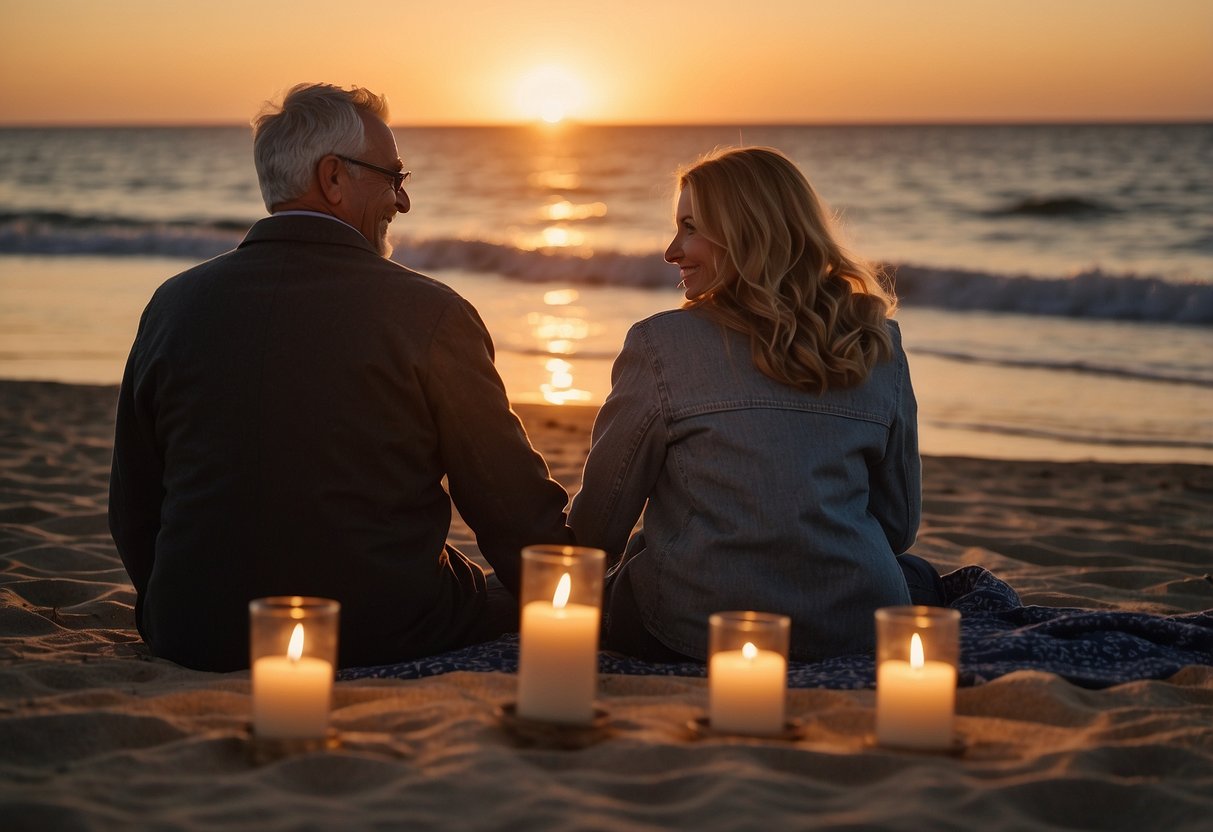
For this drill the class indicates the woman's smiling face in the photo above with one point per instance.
(695, 255)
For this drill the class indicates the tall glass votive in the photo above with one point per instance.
(917, 654)
(748, 672)
(558, 639)
(292, 653)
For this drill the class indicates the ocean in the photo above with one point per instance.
(1056, 280)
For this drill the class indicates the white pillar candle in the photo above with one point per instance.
(291, 693)
(747, 690)
(558, 659)
(915, 701)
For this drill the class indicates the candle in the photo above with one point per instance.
(558, 659)
(746, 691)
(291, 693)
(915, 700)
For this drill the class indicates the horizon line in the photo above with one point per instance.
(570, 122)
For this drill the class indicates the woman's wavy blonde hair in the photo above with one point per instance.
(815, 314)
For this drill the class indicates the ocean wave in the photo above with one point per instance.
(535, 352)
(1075, 207)
(1093, 293)
(1075, 437)
(548, 265)
(1085, 368)
(50, 232)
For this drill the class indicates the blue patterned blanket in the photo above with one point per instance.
(998, 634)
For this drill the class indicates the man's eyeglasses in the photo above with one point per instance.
(398, 177)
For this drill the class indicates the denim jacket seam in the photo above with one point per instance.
(664, 407)
(661, 554)
(643, 426)
(654, 359)
(688, 411)
(913, 502)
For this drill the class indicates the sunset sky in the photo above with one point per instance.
(631, 61)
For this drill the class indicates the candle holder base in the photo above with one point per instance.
(262, 750)
(554, 734)
(701, 728)
(956, 748)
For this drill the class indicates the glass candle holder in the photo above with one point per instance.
(558, 640)
(748, 672)
(917, 654)
(292, 653)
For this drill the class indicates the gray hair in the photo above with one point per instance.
(313, 121)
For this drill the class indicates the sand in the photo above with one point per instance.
(94, 734)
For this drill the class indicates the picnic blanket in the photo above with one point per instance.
(998, 635)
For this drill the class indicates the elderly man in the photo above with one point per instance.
(289, 411)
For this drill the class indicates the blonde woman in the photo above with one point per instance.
(767, 430)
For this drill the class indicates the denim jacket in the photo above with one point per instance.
(756, 495)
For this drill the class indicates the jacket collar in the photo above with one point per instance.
(306, 229)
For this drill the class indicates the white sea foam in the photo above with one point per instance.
(1093, 294)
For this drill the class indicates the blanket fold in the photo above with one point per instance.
(998, 635)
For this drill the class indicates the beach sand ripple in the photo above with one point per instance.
(95, 734)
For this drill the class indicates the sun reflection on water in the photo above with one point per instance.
(561, 297)
(549, 328)
(560, 335)
(557, 236)
(555, 180)
(565, 210)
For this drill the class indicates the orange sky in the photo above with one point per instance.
(463, 61)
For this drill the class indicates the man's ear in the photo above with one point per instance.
(329, 173)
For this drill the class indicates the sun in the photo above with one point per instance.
(550, 93)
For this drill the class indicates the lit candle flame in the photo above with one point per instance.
(749, 651)
(917, 660)
(294, 650)
(561, 598)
